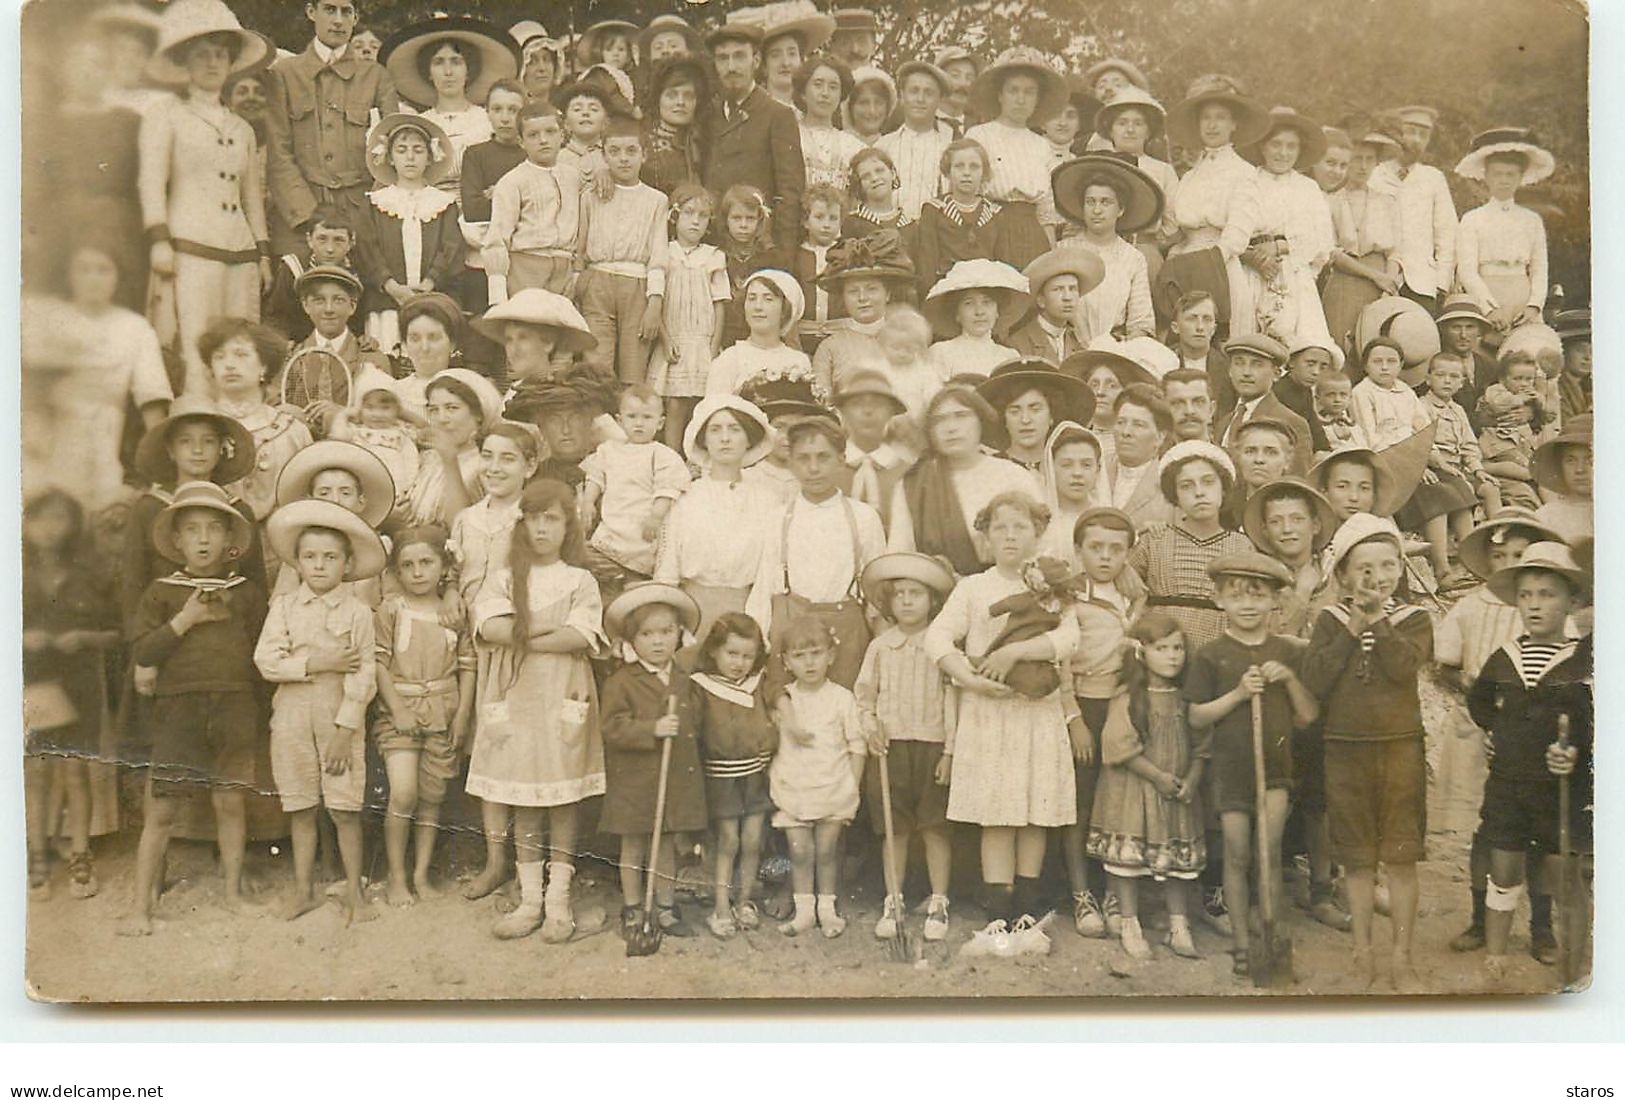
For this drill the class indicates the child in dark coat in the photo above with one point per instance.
(644, 704)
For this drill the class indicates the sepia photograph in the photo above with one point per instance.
(722, 500)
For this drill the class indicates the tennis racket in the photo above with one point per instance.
(314, 375)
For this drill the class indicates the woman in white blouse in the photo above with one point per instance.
(1365, 228)
(1293, 238)
(821, 86)
(1019, 91)
(714, 536)
(967, 305)
(1127, 125)
(1215, 205)
(447, 66)
(1110, 198)
(1501, 246)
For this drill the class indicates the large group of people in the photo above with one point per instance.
(703, 416)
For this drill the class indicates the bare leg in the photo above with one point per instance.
(1362, 883)
(634, 850)
(1436, 531)
(899, 855)
(1238, 850)
(402, 768)
(665, 872)
(494, 820)
(1031, 841)
(231, 821)
(1127, 889)
(1073, 838)
(727, 851)
(1404, 891)
(827, 838)
(750, 854)
(347, 824)
(159, 819)
(803, 859)
(561, 841)
(999, 855)
(528, 823)
(76, 783)
(939, 859)
(302, 825)
(424, 834)
(36, 793)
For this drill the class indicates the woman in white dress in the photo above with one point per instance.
(1293, 239)
(1501, 246)
(822, 85)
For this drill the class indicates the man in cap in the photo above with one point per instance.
(754, 138)
(1255, 361)
(1427, 216)
(322, 103)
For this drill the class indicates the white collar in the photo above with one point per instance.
(884, 456)
(334, 345)
(1504, 207)
(1054, 331)
(661, 674)
(422, 205)
(328, 54)
(832, 501)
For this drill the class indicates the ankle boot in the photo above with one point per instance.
(560, 924)
(524, 919)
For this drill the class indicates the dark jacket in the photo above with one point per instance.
(1270, 408)
(633, 700)
(1522, 721)
(1369, 696)
(760, 145)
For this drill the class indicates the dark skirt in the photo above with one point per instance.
(1449, 494)
(1203, 269)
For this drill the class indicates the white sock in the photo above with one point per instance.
(530, 883)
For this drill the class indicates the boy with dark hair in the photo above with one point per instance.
(328, 239)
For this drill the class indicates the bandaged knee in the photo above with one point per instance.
(1502, 899)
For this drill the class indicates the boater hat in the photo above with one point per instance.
(287, 523)
(909, 68)
(1252, 521)
(1387, 490)
(597, 30)
(535, 306)
(1538, 163)
(1079, 262)
(1547, 464)
(1549, 557)
(152, 459)
(1311, 137)
(1250, 563)
(1475, 547)
(1461, 307)
(1116, 64)
(495, 56)
(1069, 398)
(904, 565)
(694, 435)
(1138, 193)
(294, 482)
(1156, 117)
(1020, 60)
(184, 22)
(643, 594)
(382, 136)
(200, 494)
(1007, 286)
(800, 18)
(1252, 120)
(1326, 344)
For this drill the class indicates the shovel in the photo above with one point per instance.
(1269, 957)
(1572, 943)
(645, 938)
(900, 947)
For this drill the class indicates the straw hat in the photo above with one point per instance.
(908, 68)
(904, 565)
(1138, 193)
(1156, 116)
(526, 31)
(1326, 344)
(798, 17)
(1547, 464)
(1536, 338)
(1461, 307)
(865, 382)
(200, 494)
(694, 434)
(1250, 563)
(786, 284)
(1416, 114)
(1390, 492)
(589, 37)
(1549, 557)
(1474, 550)
(490, 401)
(1311, 136)
(535, 306)
(1069, 398)
(1252, 520)
(1191, 449)
(377, 486)
(1252, 121)
(856, 19)
(382, 136)
(1116, 64)
(1082, 364)
(184, 22)
(643, 594)
(1407, 323)
(1019, 60)
(1380, 140)
(496, 56)
(1538, 163)
(669, 24)
(1358, 528)
(949, 54)
(287, 523)
(738, 26)
(1007, 286)
(152, 459)
(1082, 263)
(870, 74)
(1148, 351)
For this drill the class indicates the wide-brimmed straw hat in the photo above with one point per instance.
(287, 523)
(377, 486)
(694, 435)
(1461, 307)
(904, 565)
(1081, 263)
(1538, 162)
(496, 54)
(864, 382)
(1252, 120)
(1069, 398)
(597, 30)
(1052, 89)
(1252, 520)
(1547, 464)
(1250, 563)
(152, 459)
(1407, 323)
(878, 255)
(1358, 528)
(1474, 549)
(184, 22)
(1129, 69)
(1548, 557)
(1156, 116)
(200, 494)
(1311, 137)
(798, 17)
(1138, 193)
(1007, 286)
(536, 306)
(643, 594)
(489, 400)
(1082, 364)
(381, 136)
(1390, 494)
(668, 24)
(785, 283)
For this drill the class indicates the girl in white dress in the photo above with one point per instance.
(697, 294)
(1012, 770)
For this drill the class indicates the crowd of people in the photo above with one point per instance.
(704, 416)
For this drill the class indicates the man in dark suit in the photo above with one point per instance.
(754, 138)
(1462, 326)
(1255, 361)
